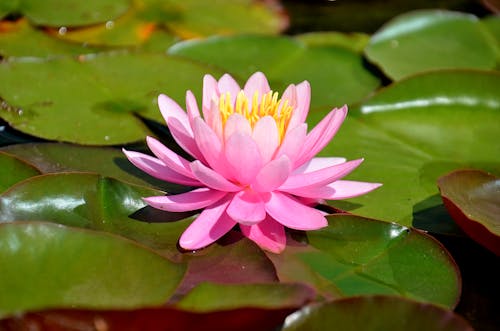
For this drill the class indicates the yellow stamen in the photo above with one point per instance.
(269, 105)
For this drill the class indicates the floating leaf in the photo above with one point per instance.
(106, 161)
(337, 75)
(50, 265)
(69, 12)
(375, 313)
(431, 39)
(415, 131)
(17, 39)
(14, 170)
(473, 199)
(103, 93)
(355, 42)
(91, 201)
(207, 296)
(359, 256)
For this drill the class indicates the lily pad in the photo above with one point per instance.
(415, 131)
(50, 265)
(432, 39)
(375, 313)
(355, 41)
(473, 199)
(14, 170)
(70, 12)
(18, 38)
(337, 75)
(93, 99)
(359, 256)
(183, 19)
(94, 202)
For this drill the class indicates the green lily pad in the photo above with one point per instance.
(359, 256)
(337, 75)
(415, 131)
(50, 265)
(182, 19)
(106, 161)
(14, 170)
(355, 41)
(207, 297)
(17, 39)
(103, 92)
(94, 202)
(70, 12)
(431, 39)
(375, 313)
(473, 199)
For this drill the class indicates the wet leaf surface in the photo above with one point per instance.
(14, 170)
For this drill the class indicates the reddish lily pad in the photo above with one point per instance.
(50, 265)
(374, 314)
(431, 39)
(14, 170)
(358, 256)
(473, 199)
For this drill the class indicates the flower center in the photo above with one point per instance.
(269, 105)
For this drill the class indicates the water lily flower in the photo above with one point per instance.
(254, 162)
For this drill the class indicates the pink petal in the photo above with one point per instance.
(212, 224)
(210, 92)
(256, 83)
(184, 139)
(170, 159)
(215, 120)
(236, 123)
(292, 142)
(158, 169)
(321, 135)
(268, 234)
(211, 178)
(291, 213)
(170, 109)
(340, 189)
(196, 199)
(272, 175)
(191, 106)
(246, 208)
(210, 145)
(243, 157)
(303, 101)
(318, 163)
(265, 134)
(228, 84)
(320, 177)
(290, 95)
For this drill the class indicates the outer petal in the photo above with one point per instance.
(321, 135)
(172, 160)
(256, 83)
(272, 175)
(247, 208)
(236, 123)
(341, 189)
(196, 199)
(212, 224)
(228, 84)
(268, 234)
(184, 139)
(265, 134)
(292, 142)
(210, 91)
(291, 213)
(320, 177)
(157, 169)
(170, 109)
(211, 178)
(192, 107)
(243, 156)
(318, 163)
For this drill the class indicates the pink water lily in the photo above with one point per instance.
(254, 162)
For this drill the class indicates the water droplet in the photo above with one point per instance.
(110, 25)
(62, 30)
(20, 112)
(106, 138)
(394, 43)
